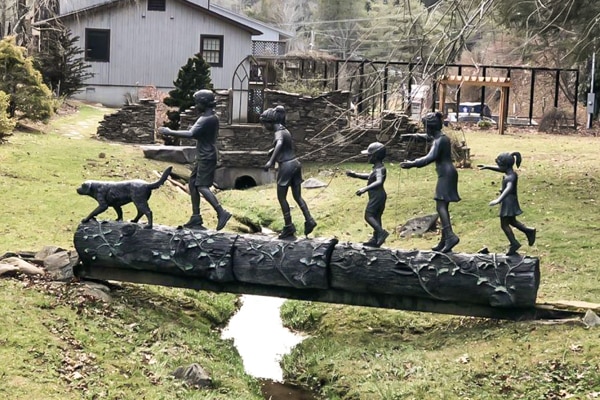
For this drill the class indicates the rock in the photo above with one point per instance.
(96, 293)
(7, 269)
(418, 226)
(591, 319)
(313, 183)
(60, 265)
(194, 375)
(47, 251)
(23, 266)
(173, 154)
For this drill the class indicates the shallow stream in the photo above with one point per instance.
(262, 340)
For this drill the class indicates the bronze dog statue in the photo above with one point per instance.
(117, 194)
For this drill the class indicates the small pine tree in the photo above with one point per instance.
(60, 63)
(193, 76)
(29, 96)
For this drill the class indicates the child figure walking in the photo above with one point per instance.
(377, 195)
(289, 174)
(509, 200)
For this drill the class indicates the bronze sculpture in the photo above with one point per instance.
(377, 195)
(446, 190)
(117, 194)
(509, 200)
(289, 174)
(205, 132)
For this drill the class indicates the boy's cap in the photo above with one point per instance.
(373, 148)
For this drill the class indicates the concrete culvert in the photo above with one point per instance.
(244, 182)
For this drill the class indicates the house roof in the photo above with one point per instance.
(112, 3)
(250, 21)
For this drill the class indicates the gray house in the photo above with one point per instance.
(136, 43)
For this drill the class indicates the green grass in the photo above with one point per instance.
(127, 349)
(58, 344)
(359, 353)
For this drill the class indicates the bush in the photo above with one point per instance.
(7, 124)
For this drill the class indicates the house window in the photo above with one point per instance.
(157, 5)
(97, 45)
(211, 48)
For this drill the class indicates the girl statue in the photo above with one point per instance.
(509, 200)
(446, 190)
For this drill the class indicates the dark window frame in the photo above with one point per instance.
(89, 31)
(157, 5)
(221, 40)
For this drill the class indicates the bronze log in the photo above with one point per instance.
(310, 269)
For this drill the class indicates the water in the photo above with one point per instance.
(260, 337)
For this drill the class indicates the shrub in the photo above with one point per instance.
(7, 124)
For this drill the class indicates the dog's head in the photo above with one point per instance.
(85, 188)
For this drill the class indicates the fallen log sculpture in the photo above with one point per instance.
(490, 285)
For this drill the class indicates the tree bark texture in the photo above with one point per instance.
(344, 269)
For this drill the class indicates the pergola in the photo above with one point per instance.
(502, 82)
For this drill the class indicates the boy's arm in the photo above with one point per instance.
(379, 174)
(358, 175)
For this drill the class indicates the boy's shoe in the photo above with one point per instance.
(195, 222)
(223, 218)
(309, 226)
(288, 232)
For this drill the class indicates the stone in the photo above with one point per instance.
(591, 319)
(23, 266)
(59, 266)
(194, 375)
(173, 154)
(313, 183)
(7, 269)
(418, 225)
(47, 251)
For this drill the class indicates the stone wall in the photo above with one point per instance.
(131, 124)
(320, 127)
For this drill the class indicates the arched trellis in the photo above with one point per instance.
(247, 96)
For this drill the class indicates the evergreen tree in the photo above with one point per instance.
(60, 63)
(193, 76)
(29, 96)
(6, 124)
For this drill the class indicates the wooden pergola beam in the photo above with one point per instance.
(494, 81)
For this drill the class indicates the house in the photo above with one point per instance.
(131, 44)
(271, 42)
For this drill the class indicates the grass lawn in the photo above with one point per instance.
(128, 348)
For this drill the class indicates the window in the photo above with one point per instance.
(211, 48)
(97, 45)
(157, 5)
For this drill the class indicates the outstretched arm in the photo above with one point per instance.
(163, 130)
(358, 175)
(490, 167)
(425, 160)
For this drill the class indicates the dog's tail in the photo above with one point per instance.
(162, 179)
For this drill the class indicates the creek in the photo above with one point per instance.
(261, 340)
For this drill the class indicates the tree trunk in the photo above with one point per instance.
(306, 268)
